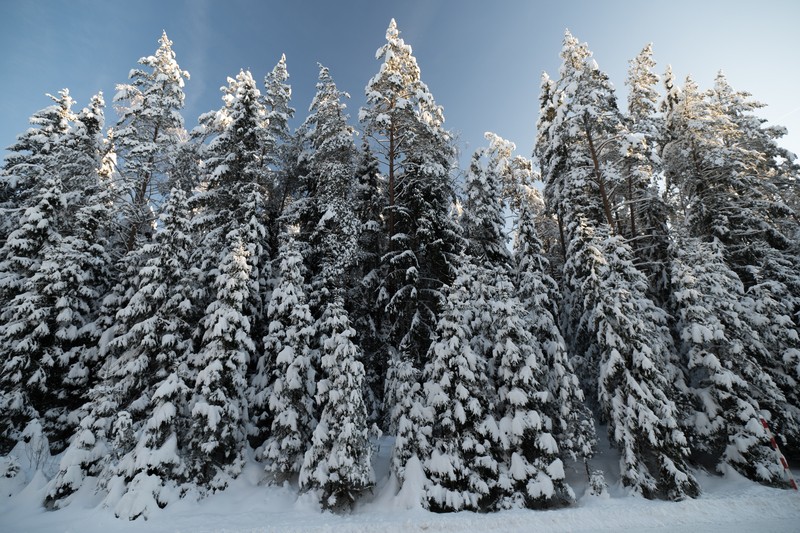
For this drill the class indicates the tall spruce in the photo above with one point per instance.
(338, 463)
(219, 410)
(573, 423)
(459, 461)
(627, 363)
(617, 334)
(285, 382)
(53, 269)
(146, 137)
(716, 324)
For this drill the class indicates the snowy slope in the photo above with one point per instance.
(728, 504)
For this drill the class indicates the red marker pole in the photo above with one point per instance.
(781, 458)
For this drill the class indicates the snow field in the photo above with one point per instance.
(728, 504)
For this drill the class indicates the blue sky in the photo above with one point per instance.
(481, 59)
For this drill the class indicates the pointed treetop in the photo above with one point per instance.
(392, 32)
(93, 115)
(278, 75)
(324, 73)
(573, 53)
(165, 55)
(642, 97)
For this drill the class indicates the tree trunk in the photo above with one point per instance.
(598, 176)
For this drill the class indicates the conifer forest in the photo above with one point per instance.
(176, 305)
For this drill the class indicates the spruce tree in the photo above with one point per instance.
(406, 126)
(287, 372)
(143, 374)
(460, 463)
(31, 174)
(629, 350)
(219, 409)
(231, 204)
(52, 272)
(337, 464)
(722, 350)
(231, 196)
(160, 324)
(146, 137)
(573, 424)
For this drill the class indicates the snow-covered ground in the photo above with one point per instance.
(729, 504)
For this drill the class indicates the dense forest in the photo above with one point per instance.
(175, 304)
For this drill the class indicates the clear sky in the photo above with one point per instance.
(482, 60)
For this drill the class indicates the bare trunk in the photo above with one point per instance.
(598, 176)
(139, 198)
(561, 236)
(630, 207)
(392, 155)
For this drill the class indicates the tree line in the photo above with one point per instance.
(175, 304)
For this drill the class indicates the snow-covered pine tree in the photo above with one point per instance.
(406, 126)
(617, 335)
(579, 150)
(231, 202)
(234, 166)
(146, 137)
(323, 211)
(364, 279)
(281, 147)
(160, 323)
(646, 227)
(459, 459)
(572, 188)
(410, 419)
(531, 473)
(629, 351)
(142, 373)
(286, 376)
(721, 350)
(573, 423)
(33, 198)
(75, 271)
(763, 251)
(338, 463)
(219, 410)
(52, 270)
(90, 451)
(724, 188)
